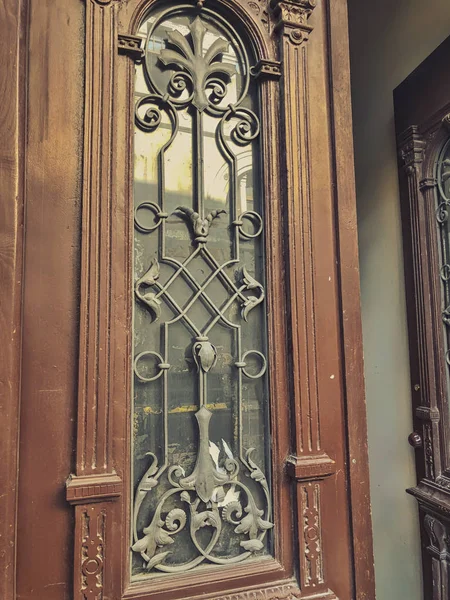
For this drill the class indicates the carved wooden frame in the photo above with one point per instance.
(324, 450)
(419, 149)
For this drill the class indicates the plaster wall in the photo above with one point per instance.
(388, 40)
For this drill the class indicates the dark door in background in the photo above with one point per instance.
(422, 112)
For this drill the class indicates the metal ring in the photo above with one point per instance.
(264, 363)
(255, 219)
(155, 209)
(162, 366)
(445, 272)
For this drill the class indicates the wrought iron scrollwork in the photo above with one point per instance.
(442, 217)
(212, 496)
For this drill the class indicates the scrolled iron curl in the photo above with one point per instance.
(152, 118)
(442, 212)
(232, 467)
(175, 520)
(218, 90)
(178, 472)
(179, 83)
(247, 129)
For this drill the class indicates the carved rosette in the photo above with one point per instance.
(92, 552)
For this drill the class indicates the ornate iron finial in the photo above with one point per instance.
(187, 56)
(199, 224)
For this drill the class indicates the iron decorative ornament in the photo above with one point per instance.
(214, 507)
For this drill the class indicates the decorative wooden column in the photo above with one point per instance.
(95, 484)
(423, 372)
(310, 464)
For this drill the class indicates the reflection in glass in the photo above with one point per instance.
(201, 461)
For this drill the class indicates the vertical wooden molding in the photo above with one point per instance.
(412, 153)
(95, 483)
(12, 127)
(349, 296)
(293, 23)
(310, 463)
(93, 454)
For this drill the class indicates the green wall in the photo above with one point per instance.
(388, 40)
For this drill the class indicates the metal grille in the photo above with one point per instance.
(442, 216)
(200, 435)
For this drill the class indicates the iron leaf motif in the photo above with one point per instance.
(150, 299)
(151, 276)
(253, 522)
(252, 301)
(199, 64)
(256, 472)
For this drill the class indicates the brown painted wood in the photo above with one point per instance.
(12, 123)
(50, 299)
(351, 328)
(422, 105)
(76, 405)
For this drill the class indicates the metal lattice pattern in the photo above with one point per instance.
(216, 508)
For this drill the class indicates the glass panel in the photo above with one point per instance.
(201, 461)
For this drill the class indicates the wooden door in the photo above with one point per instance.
(422, 105)
(147, 452)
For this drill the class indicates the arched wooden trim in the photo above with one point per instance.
(254, 21)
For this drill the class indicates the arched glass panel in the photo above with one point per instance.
(201, 460)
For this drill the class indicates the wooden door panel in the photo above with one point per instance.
(50, 299)
(76, 407)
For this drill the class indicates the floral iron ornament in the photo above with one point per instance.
(205, 486)
(202, 68)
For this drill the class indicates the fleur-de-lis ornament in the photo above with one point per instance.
(199, 64)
